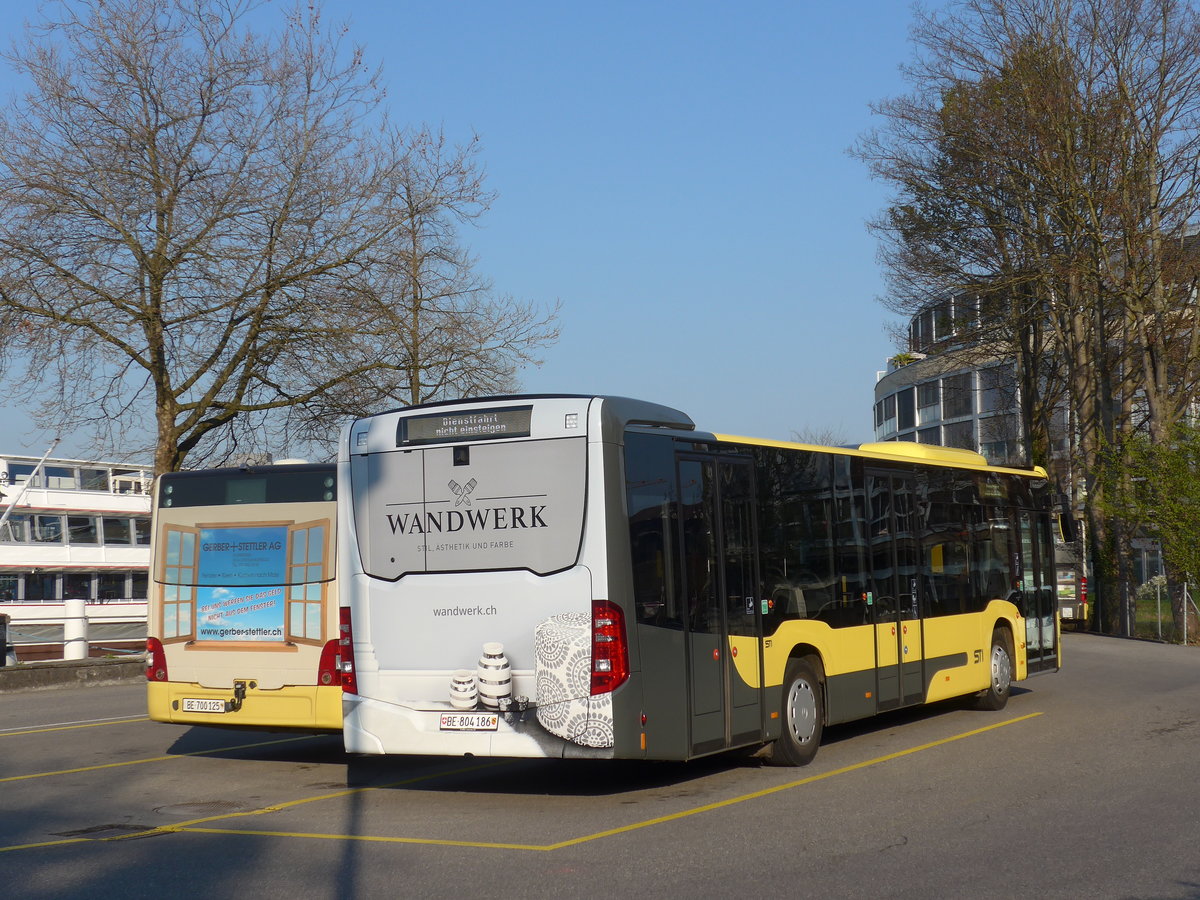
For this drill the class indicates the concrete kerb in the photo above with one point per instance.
(71, 673)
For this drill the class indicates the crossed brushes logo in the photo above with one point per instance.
(462, 493)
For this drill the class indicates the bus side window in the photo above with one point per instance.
(650, 495)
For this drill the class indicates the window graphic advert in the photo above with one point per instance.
(242, 572)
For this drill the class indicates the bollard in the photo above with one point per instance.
(8, 656)
(75, 643)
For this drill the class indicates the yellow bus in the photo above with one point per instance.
(589, 576)
(243, 612)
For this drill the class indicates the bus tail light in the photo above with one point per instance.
(344, 659)
(328, 671)
(610, 652)
(156, 660)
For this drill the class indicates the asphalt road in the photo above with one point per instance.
(1086, 785)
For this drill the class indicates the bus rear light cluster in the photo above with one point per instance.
(344, 658)
(328, 669)
(610, 651)
(156, 660)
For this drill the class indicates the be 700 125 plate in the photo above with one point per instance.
(196, 704)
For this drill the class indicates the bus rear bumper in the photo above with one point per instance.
(303, 707)
(370, 726)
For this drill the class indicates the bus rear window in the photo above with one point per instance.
(232, 487)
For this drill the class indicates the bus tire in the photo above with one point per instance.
(803, 714)
(1000, 673)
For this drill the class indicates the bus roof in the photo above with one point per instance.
(622, 412)
(905, 451)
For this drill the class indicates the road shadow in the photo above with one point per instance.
(276, 746)
(505, 776)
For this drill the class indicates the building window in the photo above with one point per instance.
(958, 398)
(959, 434)
(128, 481)
(998, 439)
(41, 588)
(71, 478)
(19, 473)
(966, 313)
(59, 478)
(997, 389)
(141, 532)
(906, 413)
(10, 587)
(922, 331)
(943, 322)
(77, 586)
(110, 586)
(47, 529)
(116, 531)
(93, 480)
(15, 530)
(82, 530)
(930, 435)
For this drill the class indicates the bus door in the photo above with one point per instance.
(720, 585)
(1038, 592)
(895, 598)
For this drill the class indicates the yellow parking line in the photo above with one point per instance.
(151, 759)
(366, 838)
(60, 843)
(194, 825)
(72, 727)
(765, 792)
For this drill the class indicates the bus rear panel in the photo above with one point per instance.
(244, 620)
(472, 553)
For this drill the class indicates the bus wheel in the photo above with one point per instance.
(1000, 675)
(803, 715)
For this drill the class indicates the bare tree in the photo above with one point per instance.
(192, 222)
(437, 322)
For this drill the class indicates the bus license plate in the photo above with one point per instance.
(469, 722)
(193, 704)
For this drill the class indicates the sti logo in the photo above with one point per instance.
(462, 493)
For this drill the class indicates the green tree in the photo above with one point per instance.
(1157, 485)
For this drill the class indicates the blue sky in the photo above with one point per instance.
(675, 173)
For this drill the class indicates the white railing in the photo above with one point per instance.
(39, 625)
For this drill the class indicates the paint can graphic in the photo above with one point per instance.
(494, 676)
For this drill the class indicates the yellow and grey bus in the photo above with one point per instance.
(243, 613)
(589, 576)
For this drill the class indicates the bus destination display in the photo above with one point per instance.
(478, 425)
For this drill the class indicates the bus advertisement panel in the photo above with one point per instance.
(244, 615)
(233, 565)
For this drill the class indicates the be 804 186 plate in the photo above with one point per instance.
(471, 721)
